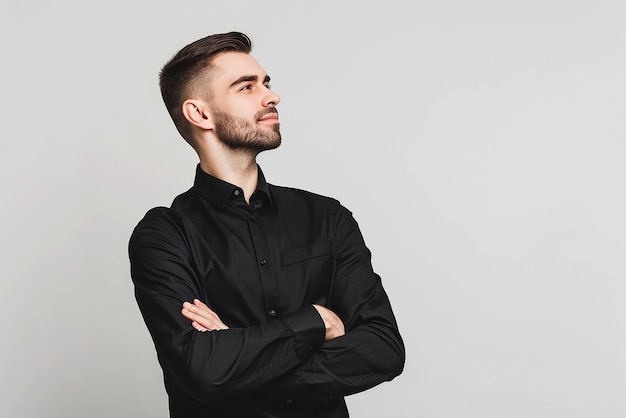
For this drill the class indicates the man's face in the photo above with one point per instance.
(243, 106)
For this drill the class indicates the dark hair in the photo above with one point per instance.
(177, 77)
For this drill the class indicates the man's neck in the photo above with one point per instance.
(237, 168)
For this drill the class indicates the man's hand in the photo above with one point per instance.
(202, 317)
(334, 325)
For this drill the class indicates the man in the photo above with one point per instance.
(261, 300)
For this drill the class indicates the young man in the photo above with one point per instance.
(261, 300)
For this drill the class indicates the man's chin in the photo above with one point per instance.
(270, 146)
(260, 143)
(258, 146)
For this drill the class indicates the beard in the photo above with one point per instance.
(241, 134)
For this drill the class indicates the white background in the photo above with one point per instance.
(480, 144)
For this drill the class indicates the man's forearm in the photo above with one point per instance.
(214, 364)
(365, 356)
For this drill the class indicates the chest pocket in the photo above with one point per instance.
(307, 273)
(297, 255)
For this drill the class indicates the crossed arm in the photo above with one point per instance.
(292, 357)
(204, 318)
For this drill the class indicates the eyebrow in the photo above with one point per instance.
(246, 78)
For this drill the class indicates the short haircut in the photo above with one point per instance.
(182, 73)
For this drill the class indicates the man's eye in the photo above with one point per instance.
(269, 86)
(246, 87)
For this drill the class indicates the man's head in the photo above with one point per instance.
(213, 84)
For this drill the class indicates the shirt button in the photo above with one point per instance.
(236, 192)
(272, 312)
(263, 261)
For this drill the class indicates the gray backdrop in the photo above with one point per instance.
(480, 144)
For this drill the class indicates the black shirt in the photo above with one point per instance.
(261, 267)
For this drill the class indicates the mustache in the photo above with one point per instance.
(262, 113)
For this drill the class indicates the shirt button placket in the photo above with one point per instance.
(259, 241)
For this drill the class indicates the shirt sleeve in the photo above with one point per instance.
(212, 364)
(371, 351)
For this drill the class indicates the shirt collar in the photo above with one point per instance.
(219, 192)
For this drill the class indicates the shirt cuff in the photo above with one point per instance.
(307, 327)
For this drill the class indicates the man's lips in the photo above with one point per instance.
(270, 118)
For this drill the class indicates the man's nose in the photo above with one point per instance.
(271, 99)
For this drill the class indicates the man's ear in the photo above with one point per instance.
(197, 113)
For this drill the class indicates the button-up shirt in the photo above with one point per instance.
(261, 266)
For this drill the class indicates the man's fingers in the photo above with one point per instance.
(201, 304)
(198, 326)
(200, 313)
(334, 325)
(204, 310)
(204, 324)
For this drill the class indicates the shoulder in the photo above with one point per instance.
(304, 201)
(282, 193)
(168, 217)
(159, 215)
(157, 222)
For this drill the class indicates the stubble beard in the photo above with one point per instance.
(241, 134)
